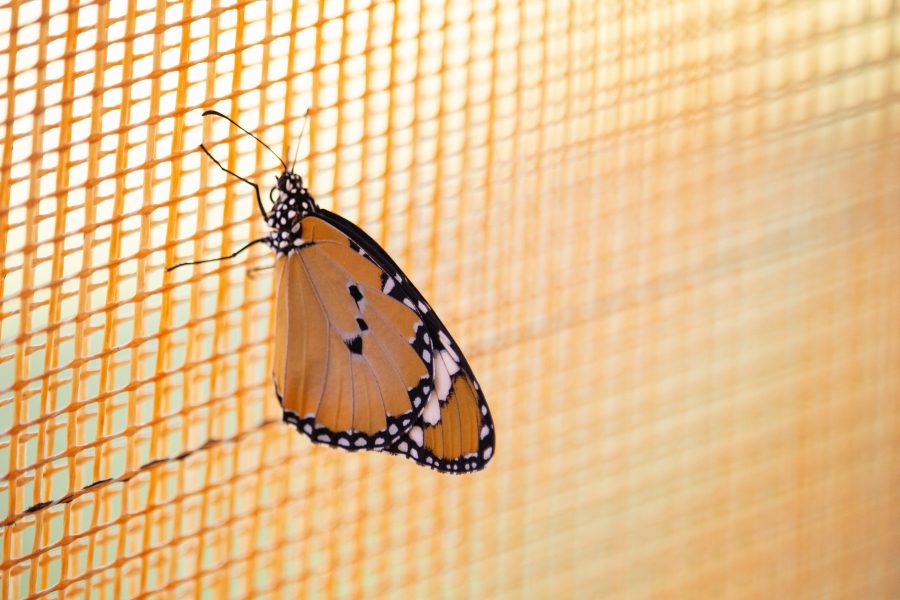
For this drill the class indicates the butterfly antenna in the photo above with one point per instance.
(266, 146)
(302, 131)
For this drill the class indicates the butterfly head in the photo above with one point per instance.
(291, 200)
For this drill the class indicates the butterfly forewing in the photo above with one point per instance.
(352, 365)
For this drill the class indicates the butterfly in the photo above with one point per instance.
(361, 360)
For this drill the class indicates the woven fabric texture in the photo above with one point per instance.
(666, 234)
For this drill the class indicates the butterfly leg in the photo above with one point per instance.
(251, 273)
(255, 187)
(207, 260)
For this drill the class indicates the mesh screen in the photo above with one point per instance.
(666, 233)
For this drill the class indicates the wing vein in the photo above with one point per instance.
(459, 419)
(327, 331)
(287, 327)
(390, 360)
(352, 395)
(380, 392)
(305, 335)
(377, 291)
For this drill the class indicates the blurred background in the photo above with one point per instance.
(666, 233)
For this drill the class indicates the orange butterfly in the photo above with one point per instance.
(362, 362)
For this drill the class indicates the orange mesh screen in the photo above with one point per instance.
(667, 235)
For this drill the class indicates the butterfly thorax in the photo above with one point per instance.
(292, 203)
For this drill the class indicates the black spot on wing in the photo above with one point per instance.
(362, 324)
(354, 344)
(355, 293)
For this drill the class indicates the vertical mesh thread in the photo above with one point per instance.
(665, 233)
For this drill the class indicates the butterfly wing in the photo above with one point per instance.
(454, 432)
(352, 364)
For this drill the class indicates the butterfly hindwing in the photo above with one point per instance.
(352, 364)
(454, 432)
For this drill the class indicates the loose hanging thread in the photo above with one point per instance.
(129, 475)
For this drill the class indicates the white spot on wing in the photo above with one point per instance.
(417, 435)
(445, 341)
(488, 453)
(431, 414)
(388, 285)
(444, 368)
(484, 431)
